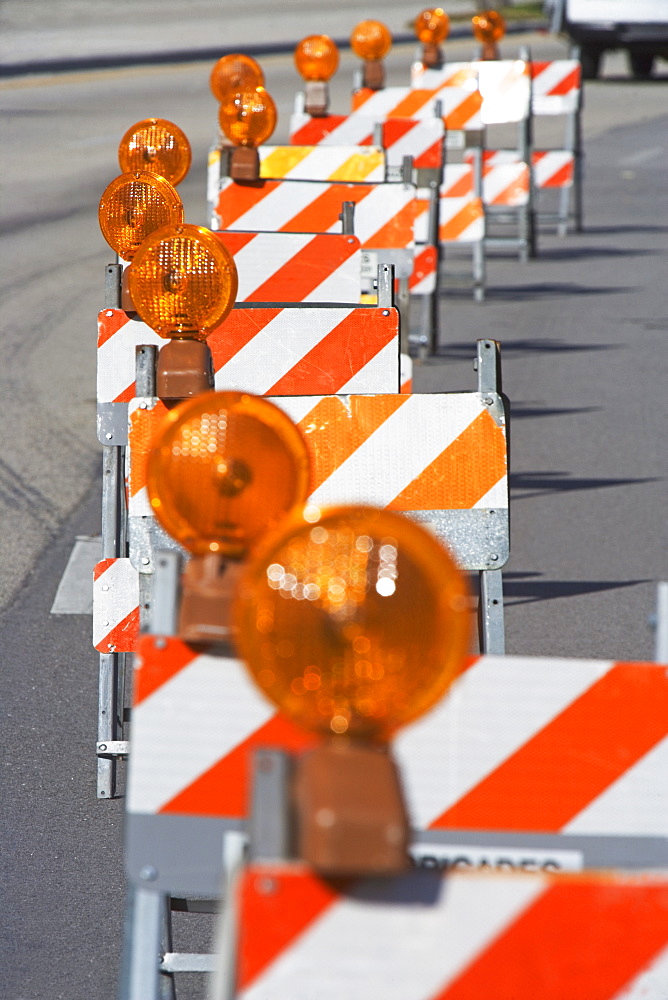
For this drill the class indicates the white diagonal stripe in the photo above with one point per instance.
(296, 407)
(497, 178)
(115, 596)
(378, 207)
(547, 166)
(651, 983)
(380, 374)
(277, 208)
(497, 497)
(263, 256)
(359, 948)
(185, 727)
(116, 359)
(463, 739)
(635, 804)
(277, 347)
(400, 449)
(353, 130)
(342, 285)
(139, 504)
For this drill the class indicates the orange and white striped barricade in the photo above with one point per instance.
(461, 218)
(505, 91)
(304, 162)
(384, 213)
(529, 766)
(460, 107)
(405, 373)
(424, 935)
(557, 91)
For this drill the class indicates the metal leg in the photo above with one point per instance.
(140, 975)
(490, 612)
(479, 275)
(662, 623)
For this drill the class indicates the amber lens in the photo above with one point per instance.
(182, 281)
(224, 468)
(248, 118)
(432, 25)
(371, 40)
(488, 27)
(157, 146)
(135, 205)
(234, 73)
(355, 622)
(317, 57)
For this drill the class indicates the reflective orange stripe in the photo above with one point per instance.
(528, 792)
(154, 667)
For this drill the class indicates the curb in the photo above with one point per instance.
(175, 56)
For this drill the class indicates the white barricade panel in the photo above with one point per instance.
(463, 937)
(505, 86)
(528, 763)
(384, 213)
(556, 87)
(279, 349)
(460, 107)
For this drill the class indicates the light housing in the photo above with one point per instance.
(225, 468)
(353, 620)
(248, 117)
(371, 40)
(133, 206)
(157, 146)
(317, 58)
(489, 27)
(183, 281)
(432, 26)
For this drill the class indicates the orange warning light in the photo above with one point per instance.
(234, 73)
(182, 281)
(353, 620)
(488, 27)
(317, 58)
(432, 26)
(371, 40)
(248, 117)
(135, 205)
(157, 146)
(225, 467)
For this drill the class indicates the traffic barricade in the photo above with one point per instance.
(505, 90)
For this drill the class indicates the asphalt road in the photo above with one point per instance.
(582, 331)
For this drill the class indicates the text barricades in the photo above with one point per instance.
(282, 350)
(463, 937)
(526, 758)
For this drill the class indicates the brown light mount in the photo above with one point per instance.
(184, 369)
(316, 98)
(489, 51)
(351, 818)
(432, 55)
(373, 74)
(244, 164)
(208, 588)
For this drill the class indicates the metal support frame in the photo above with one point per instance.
(661, 651)
(111, 675)
(490, 607)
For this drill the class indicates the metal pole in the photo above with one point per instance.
(661, 653)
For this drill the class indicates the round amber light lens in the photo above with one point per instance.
(135, 205)
(248, 118)
(183, 281)
(157, 146)
(224, 468)
(488, 27)
(432, 26)
(317, 58)
(371, 40)
(354, 620)
(234, 73)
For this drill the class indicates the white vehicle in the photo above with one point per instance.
(639, 26)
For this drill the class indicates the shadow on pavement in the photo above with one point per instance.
(537, 484)
(524, 588)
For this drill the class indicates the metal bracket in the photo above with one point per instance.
(270, 820)
(407, 170)
(347, 218)
(488, 366)
(385, 286)
(145, 362)
(113, 748)
(113, 277)
(112, 424)
(165, 609)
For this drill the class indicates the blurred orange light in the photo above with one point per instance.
(353, 620)
(371, 40)
(488, 27)
(234, 73)
(248, 118)
(157, 146)
(432, 26)
(135, 205)
(317, 58)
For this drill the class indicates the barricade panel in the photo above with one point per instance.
(311, 163)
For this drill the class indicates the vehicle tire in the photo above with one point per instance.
(591, 62)
(641, 64)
